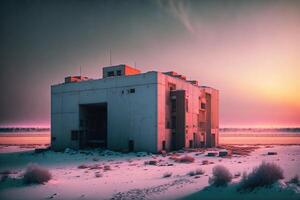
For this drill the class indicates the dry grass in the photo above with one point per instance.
(264, 175)
(221, 176)
(36, 174)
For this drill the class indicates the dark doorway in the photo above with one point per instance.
(93, 125)
(131, 145)
(213, 140)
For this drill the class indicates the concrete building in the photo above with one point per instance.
(128, 110)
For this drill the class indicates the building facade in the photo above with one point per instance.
(128, 110)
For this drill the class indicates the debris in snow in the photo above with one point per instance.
(167, 174)
(270, 153)
(83, 166)
(146, 193)
(106, 167)
(223, 153)
(150, 162)
(212, 154)
(52, 196)
(183, 159)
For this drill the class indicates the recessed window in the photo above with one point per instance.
(173, 119)
(202, 105)
(168, 124)
(173, 105)
(191, 143)
(119, 72)
(132, 90)
(110, 73)
(164, 145)
(74, 135)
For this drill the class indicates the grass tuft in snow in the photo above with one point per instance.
(198, 171)
(36, 174)
(221, 176)
(264, 175)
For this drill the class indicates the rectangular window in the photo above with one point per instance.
(132, 90)
(202, 105)
(173, 122)
(191, 143)
(119, 72)
(110, 73)
(164, 145)
(168, 124)
(74, 135)
(173, 105)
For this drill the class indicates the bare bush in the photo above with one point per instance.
(295, 180)
(167, 174)
(36, 174)
(264, 175)
(221, 176)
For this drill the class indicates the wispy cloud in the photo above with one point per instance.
(180, 10)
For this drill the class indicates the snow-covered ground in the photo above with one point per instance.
(128, 177)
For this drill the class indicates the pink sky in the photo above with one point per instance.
(250, 51)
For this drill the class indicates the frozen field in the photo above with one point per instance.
(101, 174)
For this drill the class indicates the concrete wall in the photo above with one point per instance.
(131, 116)
(192, 93)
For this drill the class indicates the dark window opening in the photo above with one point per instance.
(74, 135)
(119, 72)
(168, 124)
(173, 122)
(202, 105)
(132, 90)
(172, 86)
(164, 145)
(110, 73)
(131, 145)
(53, 139)
(191, 143)
(173, 105)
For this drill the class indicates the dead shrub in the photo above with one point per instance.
(36, 174)
(221, 176)
(262, 176)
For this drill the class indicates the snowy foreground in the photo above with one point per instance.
(99, 174)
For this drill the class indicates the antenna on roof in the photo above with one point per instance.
(110, 57)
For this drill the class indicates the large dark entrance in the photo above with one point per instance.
(93, 125)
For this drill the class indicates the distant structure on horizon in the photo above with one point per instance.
(127, 110)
